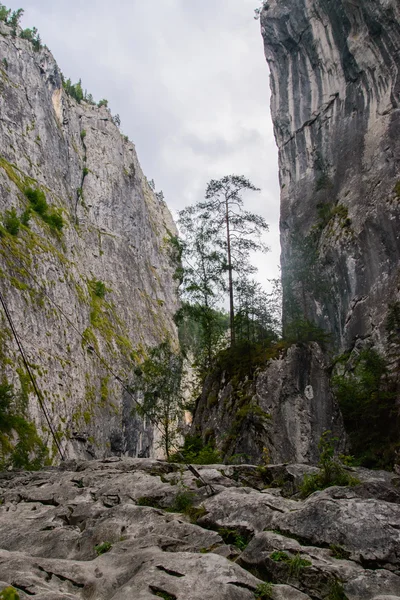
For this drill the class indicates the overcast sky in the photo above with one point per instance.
(190, 83)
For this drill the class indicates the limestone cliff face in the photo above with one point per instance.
(282, 408)
(109, 271)
(335, 85)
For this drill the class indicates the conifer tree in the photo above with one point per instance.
(237, 231)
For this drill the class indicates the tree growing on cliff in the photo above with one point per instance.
(202, 282)
(237, 231)
(11, 18)
(158, 382)
(219, 236)
(259, 9)
(254, 319)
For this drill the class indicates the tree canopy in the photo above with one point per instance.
(219, 235)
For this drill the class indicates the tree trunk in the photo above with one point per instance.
(231, 306)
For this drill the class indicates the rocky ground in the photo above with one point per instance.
(111, 530)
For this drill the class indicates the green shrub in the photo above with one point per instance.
(301, 331)
(26, 217)
(9, 593)
(51, 216)
(38, 200)
(231, 536)
(97, 288)
(74, 90)
(11, 221)
(263, 591)
(103, 102)
(339, 552)
(29, 452)
(103, 548)
(296, 564)
(184, 503)
(4, 13)
(331, 472)
(54, 219)
(195, 452)
(367, 397)
(336, 592)
(280, 556)
(83, 134)
(32, 36)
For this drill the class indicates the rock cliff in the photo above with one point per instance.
(89, 280)
(273, 408)
(335, 85)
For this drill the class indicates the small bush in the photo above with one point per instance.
(51, 216)
(368, 399)
(98, 288)
(38, 200)
(83, 134)
(103, 548)
(296, 564)
(74, 90)
(302, 331)
(26, 217)
(331, 472)
(195, 452)
(263, 591)
(231, 536)
(9, 593)
(29, 452)
(339, 552)
(33, 37)
(183, 501)
(54, 219)
(103, 102)
(279, 556)
(11, 221)
(336, 592)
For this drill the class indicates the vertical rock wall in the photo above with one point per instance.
(116, 232)
(335, 85)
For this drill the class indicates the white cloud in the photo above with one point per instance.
(190, 82)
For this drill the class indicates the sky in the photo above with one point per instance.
(190, 83)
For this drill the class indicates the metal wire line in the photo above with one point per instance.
(109, 369)
(32, 378)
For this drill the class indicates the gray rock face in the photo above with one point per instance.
(325, 518)
(336, 111)
(116, 231)
(293, 404)
(107, 529)
(321, 569)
